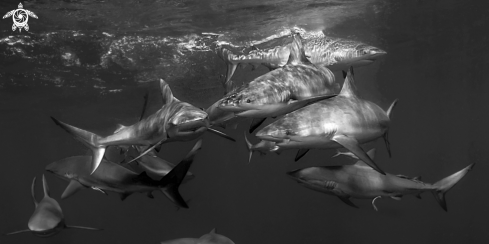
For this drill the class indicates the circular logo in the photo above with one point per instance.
(20, 17)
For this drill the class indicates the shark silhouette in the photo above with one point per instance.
(116, 178)
(47, 219)
(361, 181)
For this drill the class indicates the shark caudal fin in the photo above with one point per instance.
(89, 139)
(386, 134)
(227, 56)
(442, 186)
(170, 182)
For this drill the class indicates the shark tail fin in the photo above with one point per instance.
(82, 227)
(227, 56)
(170, 182)
(89, 139)
(249, 146)
(442, 186)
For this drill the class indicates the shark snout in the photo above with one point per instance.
(294, 173)
(376, 52)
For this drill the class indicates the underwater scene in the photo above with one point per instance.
(226, 121)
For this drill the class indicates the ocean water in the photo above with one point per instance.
(89, 63)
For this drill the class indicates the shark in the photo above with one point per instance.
(210, 238)
(283, 90)
(114, 177)
(331, 52)
(47, 219)
(174, 121)
(362, 182)
(343, 121)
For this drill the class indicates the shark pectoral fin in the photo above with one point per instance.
(32, 192)
(81, 227)
(291, 107)
(255, 123)
(373, 203)
(17, 232)
(72, 188)
(99, 190)
(147, 151)
(45, 186)
(352, 145)
(249, 146)
(123, 196)
(347, 201)
(301, 153)
(397, 197)
(221, 134)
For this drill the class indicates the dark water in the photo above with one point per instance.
(89, 63)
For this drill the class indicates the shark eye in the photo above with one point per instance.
(248, 100)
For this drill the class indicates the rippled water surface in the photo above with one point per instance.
(89, 63)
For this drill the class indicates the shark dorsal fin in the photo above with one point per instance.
(297, 54)
(166, 93)
(371, 154)
(348, 89)
(32, 192)
(45, 186)
(213, 231)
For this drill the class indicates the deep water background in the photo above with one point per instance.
(89, 63)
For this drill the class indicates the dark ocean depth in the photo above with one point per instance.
(89, 63)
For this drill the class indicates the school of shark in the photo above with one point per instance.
(309, 108)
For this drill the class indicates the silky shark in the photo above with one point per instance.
(210, 238)
(283, 90)
(47, 219)
(174, 121)
(113, 177)
(343, 121)
(333, 53)
(361, 181)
